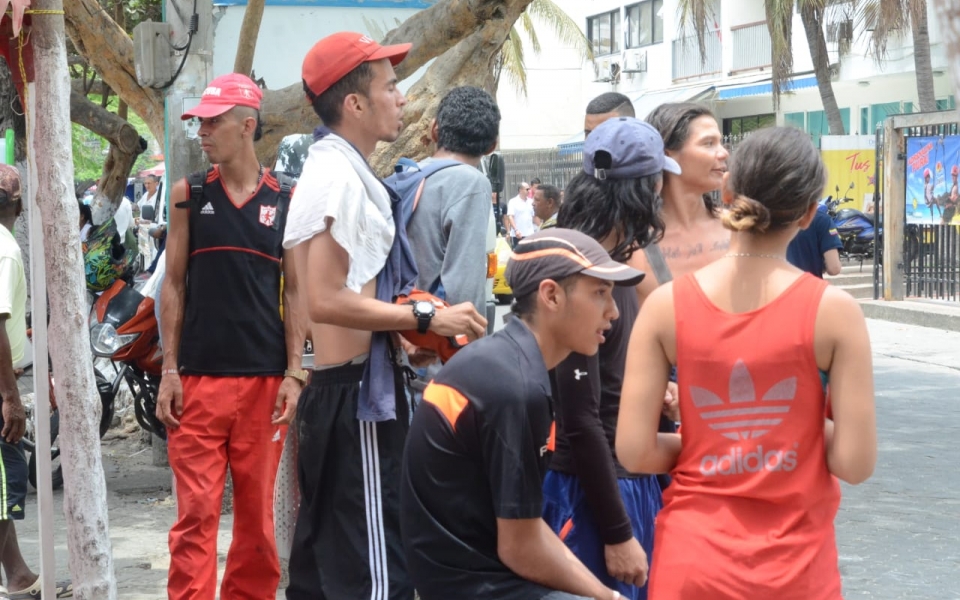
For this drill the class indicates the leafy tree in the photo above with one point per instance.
(699, 15)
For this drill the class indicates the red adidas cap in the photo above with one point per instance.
(336, 55)
(223, 93)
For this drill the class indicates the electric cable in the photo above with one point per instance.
(192, 29)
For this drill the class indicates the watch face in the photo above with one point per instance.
(424, 308)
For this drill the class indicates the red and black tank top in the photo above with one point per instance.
(232, 324)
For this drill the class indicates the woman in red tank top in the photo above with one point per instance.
(750, 512)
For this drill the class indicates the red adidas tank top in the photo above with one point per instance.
(751, 508)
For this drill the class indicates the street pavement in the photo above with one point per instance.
(898, 533)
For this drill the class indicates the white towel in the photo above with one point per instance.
(338, 183)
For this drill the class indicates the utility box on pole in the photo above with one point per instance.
(153, 53)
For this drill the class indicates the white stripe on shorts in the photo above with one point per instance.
(376, 540)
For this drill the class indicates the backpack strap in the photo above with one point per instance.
(425, 172)
(283, 201)
(658, 263)
(195, 181)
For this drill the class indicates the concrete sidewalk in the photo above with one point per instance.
(915, 311)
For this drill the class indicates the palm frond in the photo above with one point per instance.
(375, 29)
(780, 24)
(694, 14)
(511, 61)
(531, 32)
(565, 28)
(888, 19)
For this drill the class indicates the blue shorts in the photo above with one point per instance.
(564, 502)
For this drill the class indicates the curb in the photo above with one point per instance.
(923, 314)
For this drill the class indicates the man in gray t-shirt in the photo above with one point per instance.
(448, 229)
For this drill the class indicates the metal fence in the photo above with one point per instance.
(932, 261)
(554, 166)
(931, 251)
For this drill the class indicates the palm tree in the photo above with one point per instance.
(510, 62)
(698, 14)
(890, 18)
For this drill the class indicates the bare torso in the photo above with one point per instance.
(686, 249)
(334, 345)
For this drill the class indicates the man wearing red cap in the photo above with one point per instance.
(231, 365)
(353, 416)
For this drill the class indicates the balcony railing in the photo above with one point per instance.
(687, 62)
(751, 47)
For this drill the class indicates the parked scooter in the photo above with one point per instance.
(123, 328)
(856, 229)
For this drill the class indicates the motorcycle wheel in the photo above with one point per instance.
(57, 477)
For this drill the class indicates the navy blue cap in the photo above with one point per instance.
(625, 148)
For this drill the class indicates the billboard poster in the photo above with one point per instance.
(933, 166)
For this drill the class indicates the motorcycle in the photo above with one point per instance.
(856, 229)
(123, 328)
(29, 439)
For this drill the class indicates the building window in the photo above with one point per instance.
(604, 33)
(645, 23)
(742, 125)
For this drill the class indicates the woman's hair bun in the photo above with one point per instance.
(747, 215)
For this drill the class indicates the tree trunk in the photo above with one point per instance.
(921, 57)
(470, 62)
(249, 31)
(948, 15)
(84, 491)
(109, 50)
(812, 17)
(432, 31)
(125, 146)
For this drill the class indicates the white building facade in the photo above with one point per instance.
(641, 53)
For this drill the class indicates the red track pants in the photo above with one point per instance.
(225, 421)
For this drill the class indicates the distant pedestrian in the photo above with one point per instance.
(750, 512)
(520, 215)
(478, 447)
(546, 205)
(816, 249)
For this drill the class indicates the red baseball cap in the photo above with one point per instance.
(223, 93)
(336, 55)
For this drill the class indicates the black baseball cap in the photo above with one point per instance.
(625, 148)
(558, 253)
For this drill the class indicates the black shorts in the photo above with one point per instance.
(347, 539)
(13, 480)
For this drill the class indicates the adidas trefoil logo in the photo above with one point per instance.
(207, 209)
(746, 418)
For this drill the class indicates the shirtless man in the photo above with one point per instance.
(347, 540)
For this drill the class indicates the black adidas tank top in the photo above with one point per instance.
(231, 323)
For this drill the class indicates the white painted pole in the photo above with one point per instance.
(41, 408)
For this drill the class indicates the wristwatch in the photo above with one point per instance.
(300, 375)
(424, 312)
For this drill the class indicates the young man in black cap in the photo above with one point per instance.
(353, 415)
(478, 446)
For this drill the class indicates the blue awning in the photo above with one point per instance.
(766, 87)
(570, 148)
